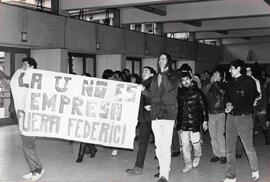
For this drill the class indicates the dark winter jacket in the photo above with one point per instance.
(241, 92)
(214, 92)
(192, 109)
(144, 115)
(163, 97)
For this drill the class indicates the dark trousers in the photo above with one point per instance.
(30, 154)
(242, 126)
(145, 132)
(175, 141)
(83, 147)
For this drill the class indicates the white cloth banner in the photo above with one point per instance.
(72, 107)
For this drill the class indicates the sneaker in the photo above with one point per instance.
(135, 170)
(187, 168)
(223, 160)
(238, 156)
(196, 162)
(156, 175)
(255, 175)
(36, 176)
(215, 159)
(162, 179)
(28, 175)
(230, 180)
(114, 152)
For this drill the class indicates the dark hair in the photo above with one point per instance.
(221, 72)
(137, 78)
(126, 70)
(267, 75)
(152, 70)
(108, 73)
(31, 62)
(87, 74)
(239, 63)
(185, 67)
(198, 75)
(185, 74)
(126, 75)
(169, 60)
(119, 73)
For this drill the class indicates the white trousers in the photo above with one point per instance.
(163, 131)
(188, 137)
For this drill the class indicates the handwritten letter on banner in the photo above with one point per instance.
(72, 107)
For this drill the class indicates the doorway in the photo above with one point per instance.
(10, 61)
(79, 63)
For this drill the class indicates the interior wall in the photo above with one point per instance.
(202, 66)
(152, 62)
(113, 62)
(80, 35)
(51, 36)
(191, 63)
(45, 31)
(42, 29)
(51, 59)
(259, 52)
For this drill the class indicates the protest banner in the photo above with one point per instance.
(72, 107)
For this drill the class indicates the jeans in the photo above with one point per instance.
(194, 138)
(217, 129)
(163, 131)
(29, 151)
(145, 132)
(241, 125)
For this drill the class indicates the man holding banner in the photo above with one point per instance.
(72, 107)
(28, 142)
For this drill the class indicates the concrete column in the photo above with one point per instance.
(116, 17)
(191, 36)
(132, 26)
(110, 61)
(51, 59)
(55, 6)
(143, 27)
(218, 42)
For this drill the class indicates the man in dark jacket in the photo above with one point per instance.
(214, 92)
(191, 114)
(163, 91)
(239, 98)
(145, 120)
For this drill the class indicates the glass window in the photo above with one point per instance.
(33, 4)
(10, 61)
(4, 84)
(82, 63)
(182, 36)
(134, 65)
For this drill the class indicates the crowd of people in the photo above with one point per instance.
(176, 106)
(232, 103)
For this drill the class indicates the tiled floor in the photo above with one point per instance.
(58, 158)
